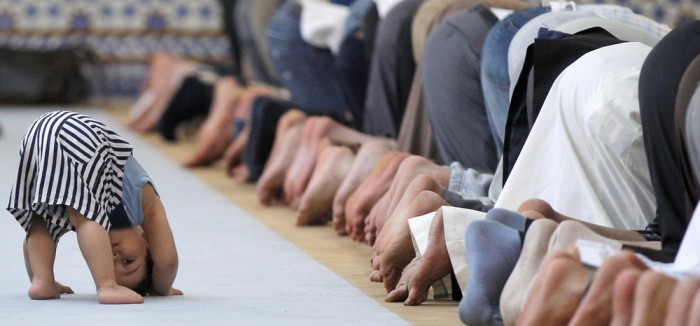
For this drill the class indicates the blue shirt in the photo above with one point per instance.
(129, 212)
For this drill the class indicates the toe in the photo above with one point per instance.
(375, 276)
(398, 294)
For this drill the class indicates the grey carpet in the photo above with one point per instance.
(233, 269)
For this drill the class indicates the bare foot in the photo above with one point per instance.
(596, 306)
(556, 291)
(393, 249)
(373, 221)
(369, 192)
(316, 203)
(534, 250)
(418, 184)
(155, 83)
(316, 129)
(422, 272)
(217, 131)
(233, 156)
(410, 168)
(367, 158)
(241, 173)
(166, 74)
(269, 186)
(682, 302)
(652, 298)
(118, 295)
(623, 300)
(40, 290)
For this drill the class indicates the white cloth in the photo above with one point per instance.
(526, 35)
(420, 230)
(501, 13)
(385, 6)
(621, 30)
(455, 220)
(686, 264)
(322, 23)
(585, 153)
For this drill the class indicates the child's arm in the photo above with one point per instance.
(160, 241)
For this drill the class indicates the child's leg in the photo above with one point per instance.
(39, 256)
(94, 243)
(62, 289)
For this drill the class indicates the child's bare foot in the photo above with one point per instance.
(366, 159)
(217, 131)
(315, 205)
(422, 272)
(118, 295)
(64, 289)
(41, 290)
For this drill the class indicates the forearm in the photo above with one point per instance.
(161, 242)
(164, 278)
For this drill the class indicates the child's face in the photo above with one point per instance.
(129, 251)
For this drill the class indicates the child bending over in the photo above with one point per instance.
(77, 174)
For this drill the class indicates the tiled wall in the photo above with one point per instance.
(670, 12)
(122, 33)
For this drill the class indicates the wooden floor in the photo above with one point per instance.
(346, 258)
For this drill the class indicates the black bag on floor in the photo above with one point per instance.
(42, 76)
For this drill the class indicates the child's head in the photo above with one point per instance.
(132, 260)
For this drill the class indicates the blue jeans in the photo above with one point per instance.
(308, 72)
(352, 62)
(495, 82)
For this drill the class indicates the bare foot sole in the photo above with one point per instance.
(394, 247)
(369, 192)
(217, 131)
(167, 74)
(316, 203)
(301, 169)
(414, 285)
(366, 159)
(287, 138)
